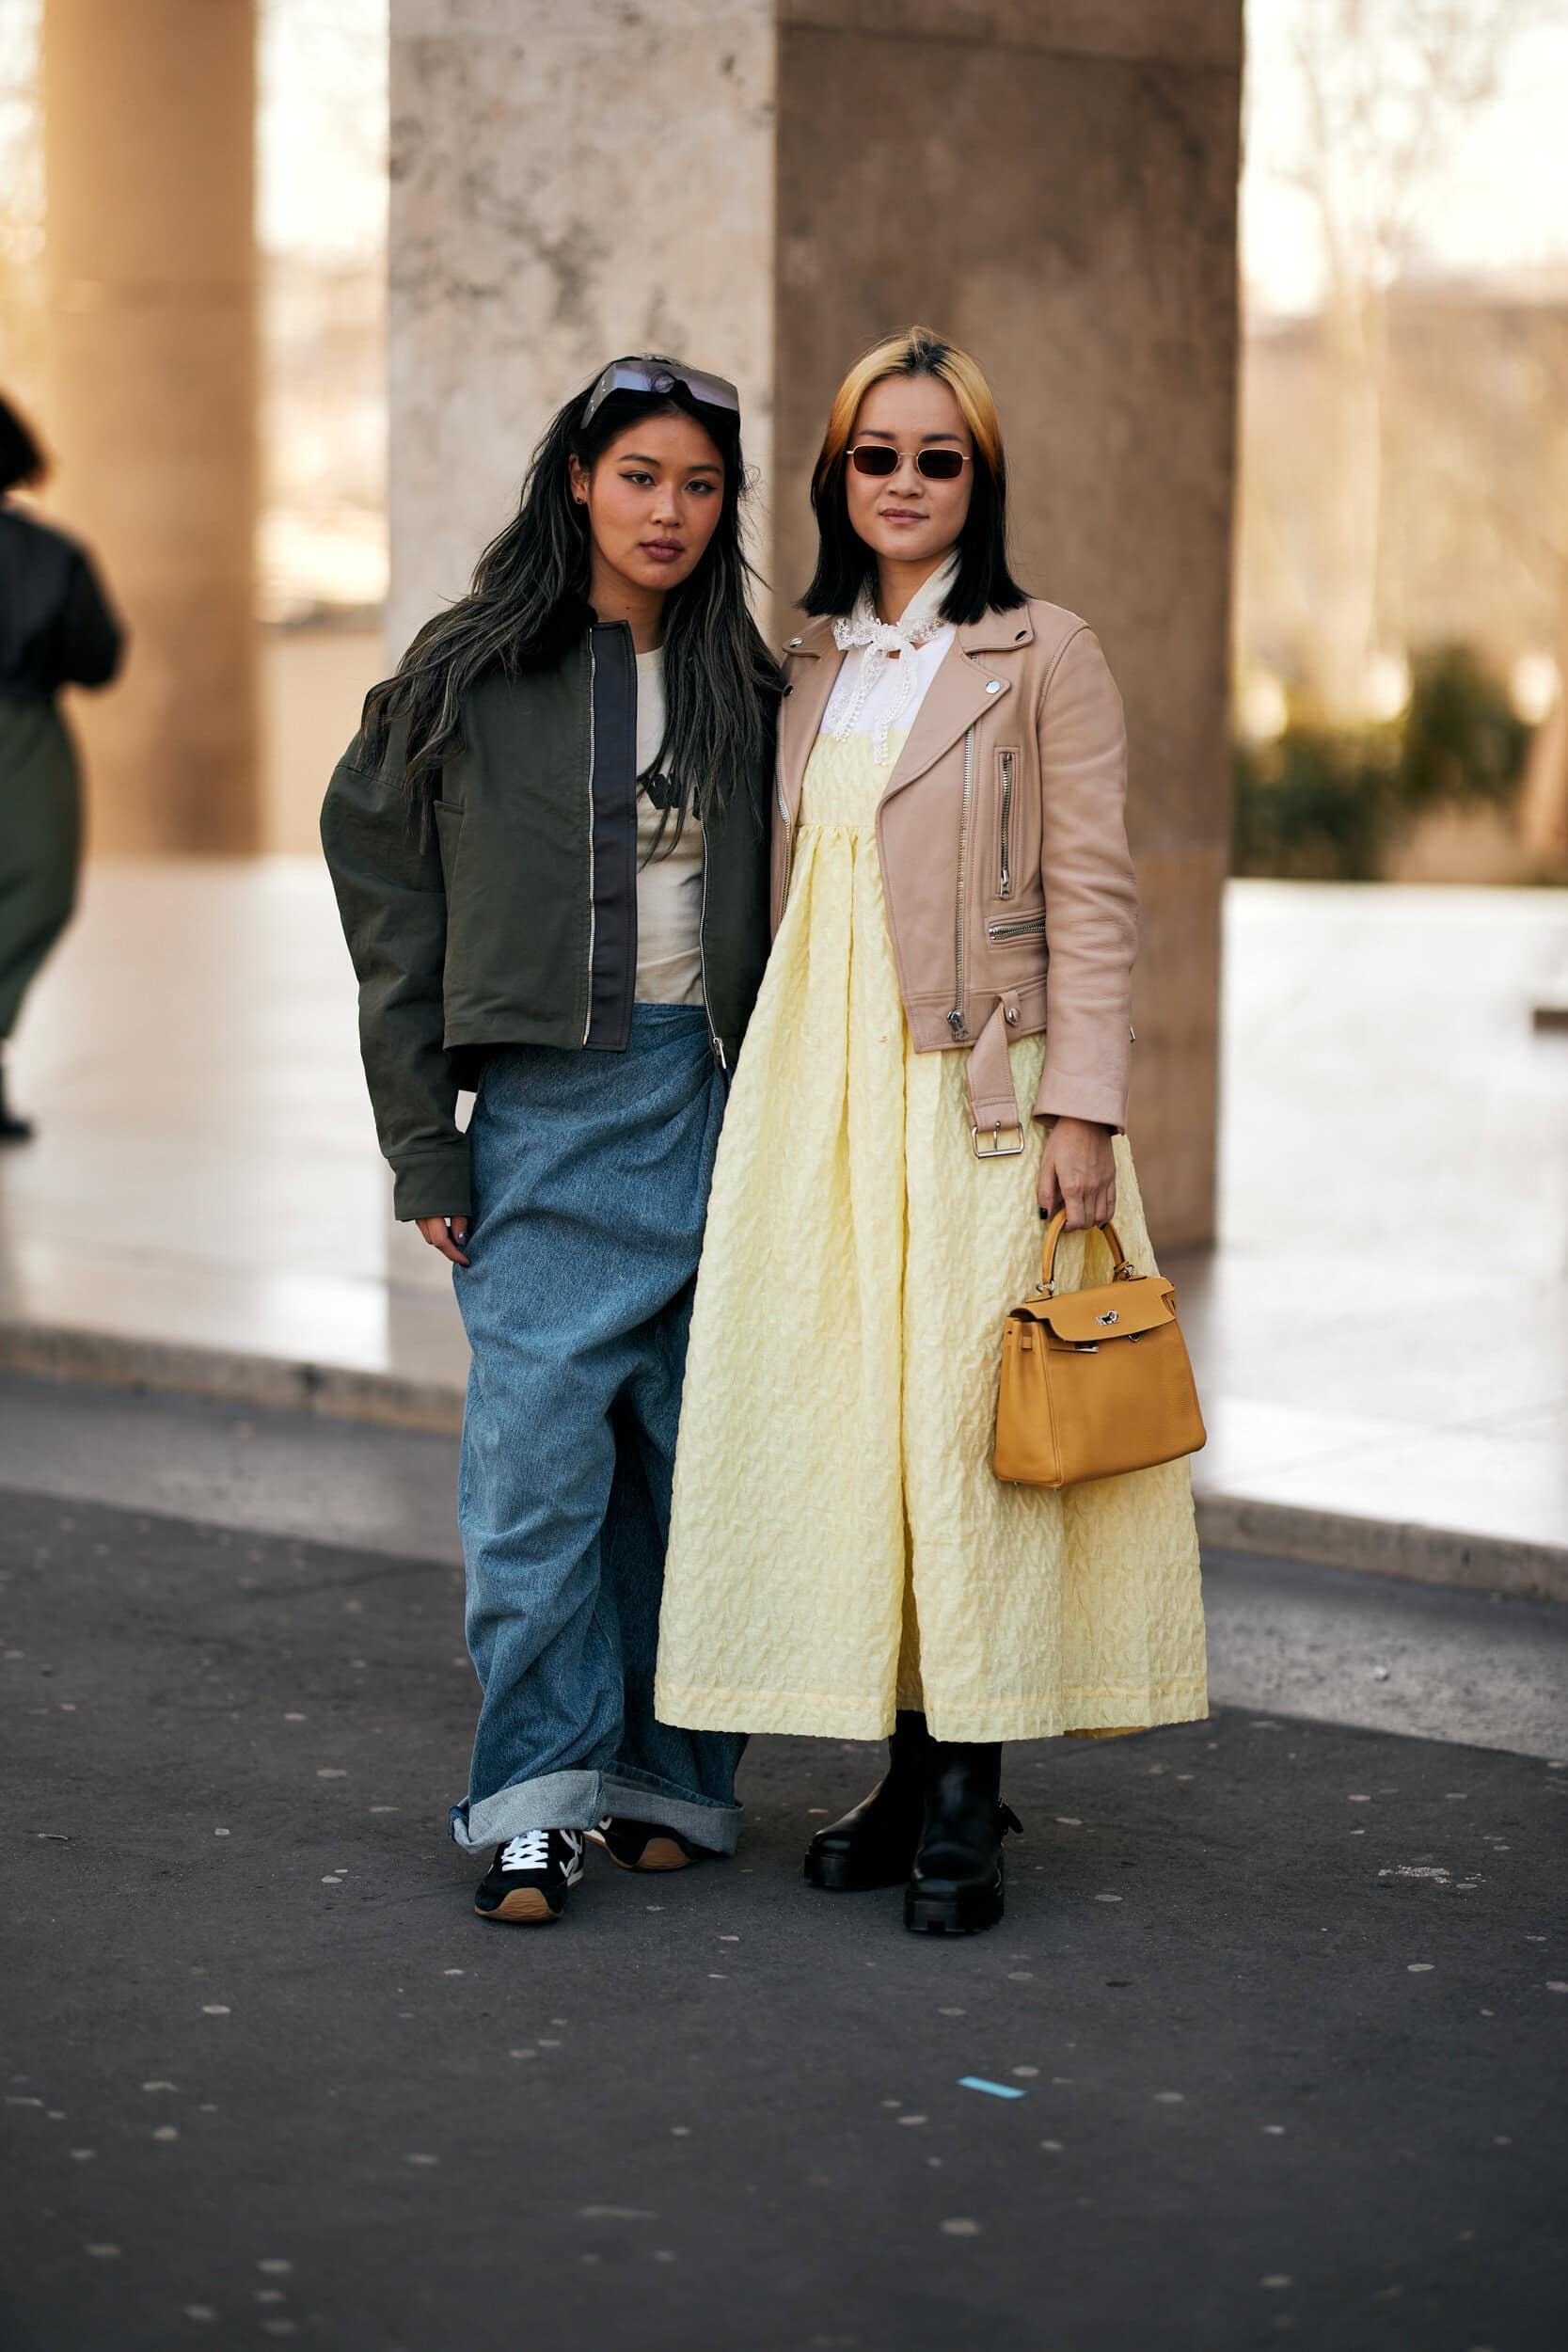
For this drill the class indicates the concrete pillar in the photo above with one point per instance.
(567, 184)
(149, 149)
(766, 185)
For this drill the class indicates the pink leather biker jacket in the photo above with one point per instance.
(1003, 841)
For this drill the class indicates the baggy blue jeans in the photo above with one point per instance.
(591, 1175)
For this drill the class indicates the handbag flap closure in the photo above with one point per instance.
(1108, 1311)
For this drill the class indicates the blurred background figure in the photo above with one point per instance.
(57, 629)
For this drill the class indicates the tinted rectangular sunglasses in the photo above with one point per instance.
(661, 376)
(936, 465)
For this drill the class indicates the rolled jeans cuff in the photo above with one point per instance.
(638, 1796)
(580, 1800)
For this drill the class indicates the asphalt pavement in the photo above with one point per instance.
(1268, 2048)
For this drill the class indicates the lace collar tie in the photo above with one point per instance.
(920, 621)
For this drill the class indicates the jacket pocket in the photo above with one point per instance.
(1006, 831)
(1017, 926)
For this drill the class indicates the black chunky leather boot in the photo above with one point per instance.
(955, 1888)
(873, 1845)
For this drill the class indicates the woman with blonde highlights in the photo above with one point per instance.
(947, 828)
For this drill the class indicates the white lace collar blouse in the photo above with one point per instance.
(888, 665)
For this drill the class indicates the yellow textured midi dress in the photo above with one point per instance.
(840, 1545)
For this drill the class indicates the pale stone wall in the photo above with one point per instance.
(766, 185)
(1052, 183)
(568, 184)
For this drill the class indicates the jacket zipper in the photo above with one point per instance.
(592, 674)
(789, 847)
(713, 1037)
(1005, 880)
(1023, 926)
(956, 1018)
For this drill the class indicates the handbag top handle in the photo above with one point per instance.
(1122, 1270)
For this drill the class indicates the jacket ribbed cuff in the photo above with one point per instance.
(432, 1183)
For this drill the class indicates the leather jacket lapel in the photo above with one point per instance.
(817, 664)
(958, 694)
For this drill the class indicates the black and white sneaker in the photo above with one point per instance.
(645, 1845)
(530, 1876)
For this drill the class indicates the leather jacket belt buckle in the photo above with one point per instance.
(997, 1150)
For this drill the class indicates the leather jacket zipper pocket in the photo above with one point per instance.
(1021, 927)
(1005, 869)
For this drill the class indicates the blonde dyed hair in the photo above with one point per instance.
(844, 564)
(914, 351)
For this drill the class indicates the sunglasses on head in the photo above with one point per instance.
(661, 376)
(936, 465)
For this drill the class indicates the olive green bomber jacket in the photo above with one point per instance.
(510, 918)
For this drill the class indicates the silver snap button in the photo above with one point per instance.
(995, 686)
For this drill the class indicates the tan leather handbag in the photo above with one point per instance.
(1095, 1382)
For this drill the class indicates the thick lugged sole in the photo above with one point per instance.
(968, 1912)
(840, 1874)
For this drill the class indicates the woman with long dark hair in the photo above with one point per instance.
(947, 825)
(57, 629)
(549, 842)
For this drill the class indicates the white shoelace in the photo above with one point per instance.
(531, 1851)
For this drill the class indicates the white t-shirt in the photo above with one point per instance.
(669, 890)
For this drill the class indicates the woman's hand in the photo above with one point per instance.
(1079, 1167)
(447, 1234)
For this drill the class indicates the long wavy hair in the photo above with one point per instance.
(844, 565)
(528, 605)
